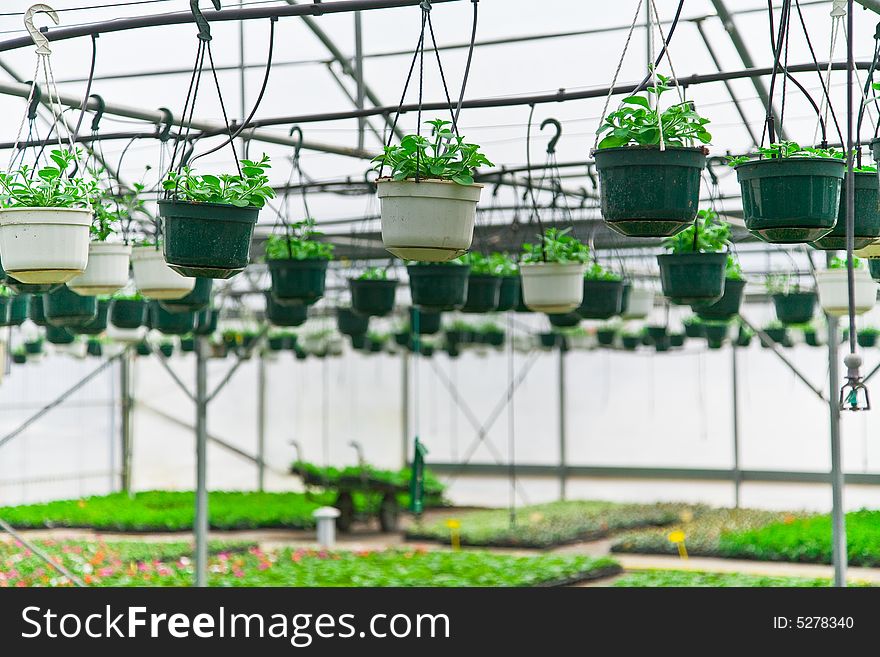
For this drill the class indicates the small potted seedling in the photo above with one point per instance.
(867, 337)
(693, 269)
(170, 323)
(793, 305)
(778, 333)
(603, 293)
(727, 307)
(438, 286)
(36, 313)
(372, 293)
(429, 200)
(279, 315)
(99, 324)
(483, 284)
(128, 311)
(833, 288)
(66, 308)
(350, 323)
(298, 264)
(552, 272)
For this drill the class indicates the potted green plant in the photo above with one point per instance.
(649, 163)
(429, 200)
(603, 293)
(778, 333)
(832, 286)
(693, 269)
(206, 321)
(19, 356)
(630, 341)
(34, 347)
(44, 221)
(99, 324)
(867, 337)
(428, 322)
(166, 349)
(483, 284)
(59, 335)
(18, 309)
(727, 307)
(549, 340)
(506, 267)
(492, 334)
(225, 207)
(716, 334)
(605, 335)
(298, 264)
(198, 299)
(438, 286)
(358, 341)
(143, 348)
(656, 332)
(66, 308)
(94, 348)
(790, 194)
(866, 220)
(811, 337)
(793, 305)
(187, 343)
(552, 272)
(677, 339)
(662, 343)
(564, 320)
(280, 315)
(744, 336)
(128, 311)
(170, 323)
(694, 327)
(372, 293)
(35, 310)
(350, 323)
(153, 278)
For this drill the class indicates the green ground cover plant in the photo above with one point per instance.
(684, 578)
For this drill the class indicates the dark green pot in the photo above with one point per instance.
(866, 219)
(350, 323)
(743, 339)
(99, 324)
(34, 347)
(187, 345)
(59, 335)
(35, 310)
(811, 339)
(602, 299)
(375, 346)
(605, 337)
(206, 322)
(791, 200)
(300, 354)
(494, 338)
(429, 322)
(64, 307)
(630, 342)
(483, 292)
(795, 308)
(128, 313)
(777, 335)
(426, 350)
(452, 352)
(689, 278)
(195, 301)
(94, 348)
(18, 309)
(694, 329)
(727, 307)
(166, 349)
(646, 192)
(454, 337)
(662, 344)
(31, 288)
(677, 339)
(143, 349)
(564, 320)
(874, 268)
(296, 282)
(438, 287)
(716, 333)
(358, 341)
(209, 240)
(866, 340)
(656, 333)
(646, 339)
(401, 339)
(372, 298)
(171, 323)
(508, 295)
(548, 340)
(19, 359)
(280, 315)
(521, 306)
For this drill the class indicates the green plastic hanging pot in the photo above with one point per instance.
(210, 240)
(694, 329)
(19, 358)
(94, 348)
(18, 309)
(811, 339)
(866, 339)
(206, 322)
(31, 288)
(171, 323)
(195, 301)
(483, 292)
(662, 344)
(166, 349)
(548, 340)
(372, 298)
(187, 345)
(99, 324)
(564, 320)
(509, 294)
(438, 287)
(743, 338)
(494, 338)
(677, 339)
(350, 323)
(281, 315)
(296, 282)
(777, 335)
(429, 322)
(143, 349)
(727, 307)
(716, 334)
(128, 313)
(656, 333)
(646, 192)
(375, 346)
(452, 352)
(59, 335)
(358, 341)
(795, 307)
(35, 310)
(33, 347)
(602, 299)
(874, 268)
(689, 278)
(630, 342)
(605, 337)
(5, 305)
(866, 219)
(646, 339)
(791, 200)
(275, 342)
(64, 307)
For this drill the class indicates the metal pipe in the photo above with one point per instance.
(737, 475)
(404, 411)
(838, 521)
(126, 407)
(9, 529)
(563, 477)
(180, 384)
(359, 74)
(261, 423)
(200, 527)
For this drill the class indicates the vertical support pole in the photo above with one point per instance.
(737, 473)
(511, 419)
(261, 423)
(649, 36)
(404, 414)
(838, 523)
(200, 528)
(563, 460)
(359, 75)
(127, 402)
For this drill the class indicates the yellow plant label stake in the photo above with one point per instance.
(677, 537)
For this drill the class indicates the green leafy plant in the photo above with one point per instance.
(503, 264)
(481, 265)
(250, 189)
(733, 270)
(840, 263)
(556, 246)
(124, 296)
(443, 156)
(298, 244)
(785, 149)
(708, 234)
(374, 274)
(110, 210)
(636, 123)
(781, 283)
(596, 272)
(51, 188)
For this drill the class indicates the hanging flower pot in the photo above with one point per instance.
(743, 337)
(64, 307)
(209, 240)
(603, 299)
(106, 271)
(206, 322)
(128, 313)
(358, 341)
(59, 335)
(170, 323)
(689, 278)
(483, 292)
(509, 293)
(18, 309)
(438, 287)
(811, 338)
(662, 343)
(280, 315)
(297, 281)
(372, 297)
(795, 307)
(428, 321)
(154, 278)
(195, 301)
(143, 349)
(727, 307)
(834, 292)
(44, 245)
(656, 333)
(99, 324)
(646, 192)
(874, 268)
(94, 348)
(187, 344)
(548, 340)
(33, 347)
(167, 349)
(552, 287)
(791, 200)
(35, 310)
(5, 304)
(639, 302)
(564, 320)
(694, 328)
(778, 334)
(493, 336)
(630, 342)
(605, 337)
(867, 337)
(866, 219)
(716, 334)
(350, 323)
(677, 339)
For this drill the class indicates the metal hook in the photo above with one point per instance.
(201, 21)
(164, 128)
(35, 100)
(40, 39)
(551, 147)
(99, 112)
(297, 147)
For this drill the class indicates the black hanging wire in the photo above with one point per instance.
(530, 188)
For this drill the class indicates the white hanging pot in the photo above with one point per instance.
(106, 272)
(639, 303)
(552, 287)
(154, 278)
(834, 291)
(44, 245)
(128, 336)
(429, 220)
